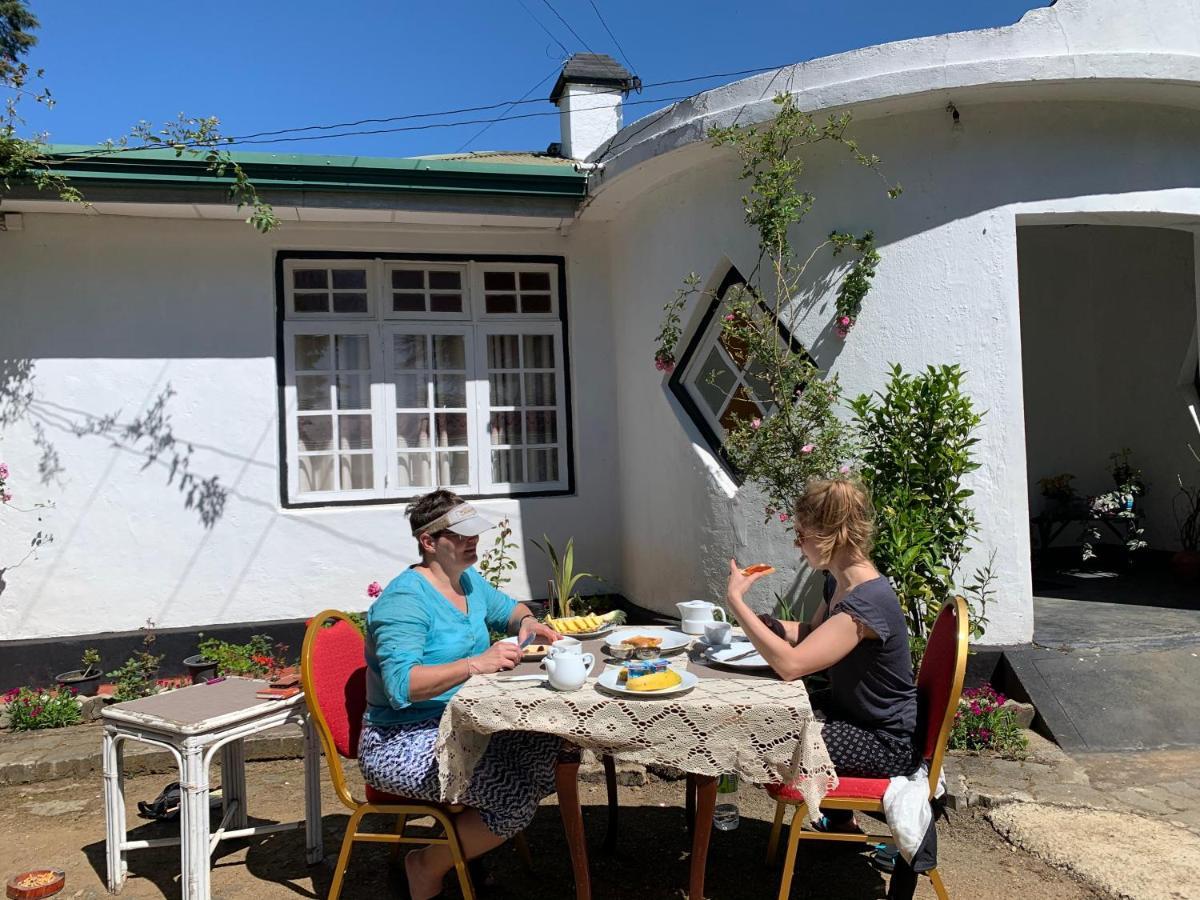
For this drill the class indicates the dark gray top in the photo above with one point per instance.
(873, 687)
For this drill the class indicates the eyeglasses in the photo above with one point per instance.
(454, 536)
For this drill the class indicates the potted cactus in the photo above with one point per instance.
(86, 679)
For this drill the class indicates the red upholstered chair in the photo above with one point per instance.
(939, 685)
(333, 671)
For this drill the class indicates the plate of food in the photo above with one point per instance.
(739, 655)
(661, 639)
(533, 652)
(664, 683)
(589, 626)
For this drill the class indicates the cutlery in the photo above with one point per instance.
(728, 659)
(520, 678)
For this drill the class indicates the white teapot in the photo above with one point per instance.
(695, 614)
(568, 671)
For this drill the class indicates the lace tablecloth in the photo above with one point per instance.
(762, 729)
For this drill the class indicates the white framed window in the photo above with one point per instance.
(433, 386)
(722, 385)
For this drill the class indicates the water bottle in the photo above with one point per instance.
(725, 814)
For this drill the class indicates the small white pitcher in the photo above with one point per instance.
(568, 671)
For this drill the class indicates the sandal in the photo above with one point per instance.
(846, 826)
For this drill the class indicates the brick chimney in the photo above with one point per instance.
(588, 95)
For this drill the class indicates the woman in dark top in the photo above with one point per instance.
(858, 634)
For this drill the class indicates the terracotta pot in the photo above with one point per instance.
(200, 668)
(84, 682)
(1186, 565)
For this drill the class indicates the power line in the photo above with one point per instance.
(620, 49)
(562, 46)
(569, 28)
(480, 132)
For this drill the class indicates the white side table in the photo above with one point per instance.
(193, 723)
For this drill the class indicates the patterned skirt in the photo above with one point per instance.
(515, 773)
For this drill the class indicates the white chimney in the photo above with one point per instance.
(588, 94)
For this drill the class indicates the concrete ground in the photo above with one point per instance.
(60, 823)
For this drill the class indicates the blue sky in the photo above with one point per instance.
(289, 64)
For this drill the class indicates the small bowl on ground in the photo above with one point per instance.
(35, 884)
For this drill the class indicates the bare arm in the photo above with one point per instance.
(426, 682)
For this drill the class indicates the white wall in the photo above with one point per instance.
(112, 310)
(946, 292)
(1107, 317)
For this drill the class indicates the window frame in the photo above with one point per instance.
(381, 323)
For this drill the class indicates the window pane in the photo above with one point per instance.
(408, 279)
(543, 465)
(740, 407)
(449, 351)
(539, 351)
(412, 429)
(445, 303)
(736, 348)
(503, 351)
(714, 381)
(408, 302)
(499, 281)
(451, 429)
(350, 279)
(535, 281)
(508, 465)
(312, 351)
(310, 279)
(411, 391)
(500, 304)
(358, 472)
(354, 432)
(316, 432)
(408, 351)
(311, 302)
(353, 351)
(414, 470)
(316, 473)
(505, 427)
(450, 390)
(540, 390)
(757, 381)
(541, 428)
(354, 392)
(506, 390)
(312, 392)
(535, 303)
(445, 281)
(350, 303)
(454, 468)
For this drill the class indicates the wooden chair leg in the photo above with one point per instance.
(339, 869)
(566, 781)
(456, 854)
(522, 846)
(789, 860)
(776, 828)
(610, 780)
(401, 824)
(938, 887)
(690, 801)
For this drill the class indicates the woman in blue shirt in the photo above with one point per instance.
(426, 635)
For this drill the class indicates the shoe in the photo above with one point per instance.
(848, 826)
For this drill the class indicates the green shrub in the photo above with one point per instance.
(29, 709)
(136, 677)
(254, 658)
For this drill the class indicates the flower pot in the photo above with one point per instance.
(83, 682)
(200, 668)
(1186, 565)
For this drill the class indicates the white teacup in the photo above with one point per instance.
(565, 645)
(718, 633)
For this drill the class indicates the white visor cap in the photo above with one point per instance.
(463, 519)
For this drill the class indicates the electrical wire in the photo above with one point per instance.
(620, 49)
(569, 28)
(561, 45)
(481, 131)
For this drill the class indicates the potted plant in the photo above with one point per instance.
(1186, 563)
(200, 667)
(84, 680)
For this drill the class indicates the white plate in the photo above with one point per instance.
(719, 655)
(588, 635)
(671, 640)
(526, 655)
(608, 682)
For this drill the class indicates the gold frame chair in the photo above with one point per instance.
(956, 607)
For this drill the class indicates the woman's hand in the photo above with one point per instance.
(739, 583)
(541, 632)
(499, 657)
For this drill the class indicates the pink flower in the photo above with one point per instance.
(842, 332)
(6, 496)
(756, 424)
(3, 471)
(985, 734)
(664, 364)
(976, 709)
(845, 470)
(784, 517)
(808, 448)
(374, 589)
(729, 318)
(844, 321)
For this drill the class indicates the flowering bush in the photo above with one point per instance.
(254, 658)
(29, 709)
(5, 493)
(982, 723)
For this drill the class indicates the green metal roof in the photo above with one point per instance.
(483, 173)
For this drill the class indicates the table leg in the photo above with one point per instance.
(706, 801)
(314, 849)
(194, 826)
(566, 781)
(610, 782)
(233, 781)
(114, 810)
(689, 802)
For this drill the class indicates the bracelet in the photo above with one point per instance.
(523, 618)
(471, 670)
